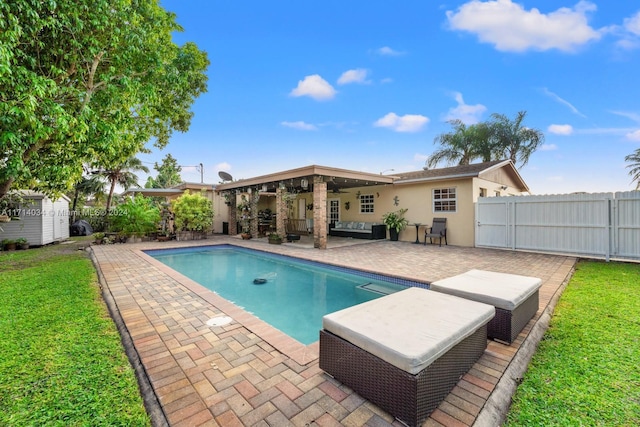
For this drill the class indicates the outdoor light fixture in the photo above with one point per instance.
(304, 183)
(264, 188)
(282, 185)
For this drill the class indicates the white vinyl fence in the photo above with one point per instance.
(603, 225)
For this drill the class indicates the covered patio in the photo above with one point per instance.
(318, 181)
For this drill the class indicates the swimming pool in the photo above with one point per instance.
(290, 294)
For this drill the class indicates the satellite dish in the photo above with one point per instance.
(225, 176)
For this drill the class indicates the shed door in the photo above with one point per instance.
(57, 225)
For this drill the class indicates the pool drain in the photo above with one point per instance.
(259, 281)
(219, 321)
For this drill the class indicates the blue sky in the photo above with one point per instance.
(369, 85)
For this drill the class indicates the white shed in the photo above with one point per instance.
(38, 219)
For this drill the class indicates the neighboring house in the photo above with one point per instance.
(327, 195)
(219, 208)
(38, 219)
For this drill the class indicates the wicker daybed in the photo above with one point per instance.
(515, 298)
(405, 352)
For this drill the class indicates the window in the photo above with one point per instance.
(497, 193)
(444, 200)
(483, 192)
(366, 203)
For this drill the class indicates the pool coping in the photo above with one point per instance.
(298, 352)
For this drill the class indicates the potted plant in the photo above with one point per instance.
(275, 238)
(395, 222)
(9, 245)
(98, 238)
(164, 236)
(22, 243)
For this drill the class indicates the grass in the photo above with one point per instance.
(586, 371)
(61, 359)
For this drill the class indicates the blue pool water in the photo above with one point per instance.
(295, 293)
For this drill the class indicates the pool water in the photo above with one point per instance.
(288, 293)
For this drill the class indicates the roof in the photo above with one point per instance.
(474, 170)
(164, 192)
(334, 177)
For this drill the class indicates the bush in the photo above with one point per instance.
(136, 217)
(193, 212)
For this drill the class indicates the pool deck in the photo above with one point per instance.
(247, 373)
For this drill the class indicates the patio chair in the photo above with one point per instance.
(437, 231)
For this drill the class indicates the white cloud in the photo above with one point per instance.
(406, 123)
(386, 80)
(629, 115)
(560, 129)
(420, 157)
(314, 86)
(511, 28)
(468, 114)
(300, 125)
(632, 24)
(387, 51)
(359, 75)
(562, 101)
(548, 147)
(633, 136)
(224, 166)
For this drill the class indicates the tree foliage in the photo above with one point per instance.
(137, 216)
(123, 175)
(634, 166)
(168, 174)
(500, 138)
(193, 212)
(83, 80)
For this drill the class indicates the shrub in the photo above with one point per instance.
(193, 212)
(136, 217)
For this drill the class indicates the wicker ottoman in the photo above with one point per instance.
(515, 298)
(405, 352)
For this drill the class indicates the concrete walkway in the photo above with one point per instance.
(247, 373)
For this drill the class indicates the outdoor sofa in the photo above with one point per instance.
(358, 230)
(405, 352)
(515, 298)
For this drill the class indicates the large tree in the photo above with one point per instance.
(122, 174)
(500, 138)
(464, 144)
(83, 80)
(513, 140)
(168, 173)
(634, 159)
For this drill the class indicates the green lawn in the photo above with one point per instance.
(61, 360)
(586, 371)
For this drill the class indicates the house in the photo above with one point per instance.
(37, 218)
(326, 195)
(219, 208)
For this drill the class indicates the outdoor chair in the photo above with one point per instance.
(437, 231)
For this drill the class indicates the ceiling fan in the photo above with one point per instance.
(335, 188)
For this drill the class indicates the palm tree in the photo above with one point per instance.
(463, 145)
(514, 140)
(93, 185)
(123, 175)
(635, 167)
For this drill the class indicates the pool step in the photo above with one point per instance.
(377, 289)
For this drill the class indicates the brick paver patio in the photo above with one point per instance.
(249, 374)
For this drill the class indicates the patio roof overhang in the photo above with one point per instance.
(154, 192)
(335, 178)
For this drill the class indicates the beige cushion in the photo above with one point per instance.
(409, 329)
(506, 291)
